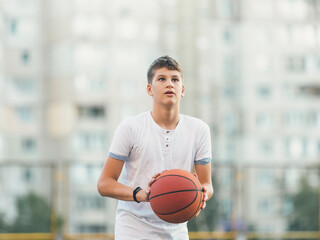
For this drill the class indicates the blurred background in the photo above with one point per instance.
(72, 70)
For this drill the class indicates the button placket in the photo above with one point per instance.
(167, 140)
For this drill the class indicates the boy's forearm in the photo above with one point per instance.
(120, 191)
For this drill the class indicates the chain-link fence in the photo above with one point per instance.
(59, 200)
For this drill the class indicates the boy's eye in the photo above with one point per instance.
(175, 80)
(162, 79)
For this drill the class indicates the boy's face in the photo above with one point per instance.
(166, 87)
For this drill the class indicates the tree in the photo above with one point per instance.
(33, 214)
(4, 227)
(305, 214)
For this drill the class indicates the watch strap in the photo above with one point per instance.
(135, 191)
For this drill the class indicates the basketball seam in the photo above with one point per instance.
(186, 190)
(181, 208)
(177, 176)
(197, 207)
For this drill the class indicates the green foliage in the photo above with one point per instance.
(33, 214)
(305, 212)
(208, 218)
(4, 227)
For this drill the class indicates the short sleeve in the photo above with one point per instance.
(122, 142)
(203, 152)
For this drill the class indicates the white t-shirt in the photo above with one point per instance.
(148, 149)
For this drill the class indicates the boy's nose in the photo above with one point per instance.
(169, 83)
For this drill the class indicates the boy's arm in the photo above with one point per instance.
(204, 175)
(108, 185)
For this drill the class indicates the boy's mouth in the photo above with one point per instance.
(169, 93)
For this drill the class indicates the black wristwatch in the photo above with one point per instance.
(135, 193)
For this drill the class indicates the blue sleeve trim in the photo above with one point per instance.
(119, 157)
(203, 161)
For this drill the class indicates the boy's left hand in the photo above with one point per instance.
(204, 199)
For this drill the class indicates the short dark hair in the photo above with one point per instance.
(164, 61)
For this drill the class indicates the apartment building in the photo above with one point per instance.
(70, 71)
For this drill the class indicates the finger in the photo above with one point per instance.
(204, 189)
(205, 198)
(147, 195)
(153, 179)
(155, 176)
(203, 205)
(196, 175)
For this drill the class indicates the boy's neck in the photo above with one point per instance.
(167, 118)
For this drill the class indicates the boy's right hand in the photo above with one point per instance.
(143, 196)
(153, 179)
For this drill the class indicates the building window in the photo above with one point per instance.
(229, 68)
(28, 144)
(296, 64)
(264, 206)
(91, 112)
(87, 202)
(229, 92)
(89, 83)
(27, 175)
(263, 120)
(25, 57)
(266, 147)
(230, 123)
(25, 114)
(230, 151)
(84, 174)
(300, 119)
(228, 35)
(90, 142)
(264, 92)
(13, 25)
(265, 178)
(24, 85)
(308, 91)
(226, 9)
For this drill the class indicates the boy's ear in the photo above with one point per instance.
(182, 91)
(149, 90)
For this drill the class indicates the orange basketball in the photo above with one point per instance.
(176, 196)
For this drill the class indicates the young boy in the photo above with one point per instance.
(149, 143)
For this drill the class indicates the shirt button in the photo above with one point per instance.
(167, 145)
(167, 131)
(167, 139)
